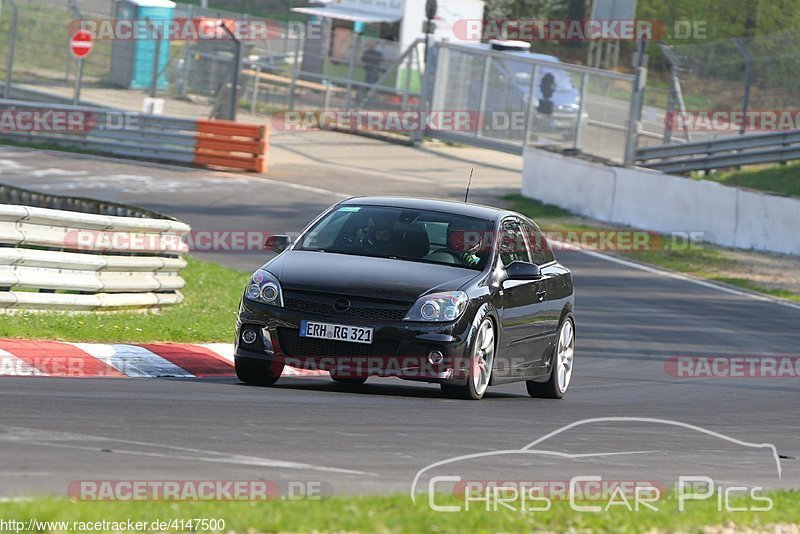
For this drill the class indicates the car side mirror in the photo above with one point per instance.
(521, 270)
(277, 243)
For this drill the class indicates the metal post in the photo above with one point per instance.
(748, 80)
(256, 83)
(76, 15)
(351, 70)
(237, 67)
(637, 101)
(487, 65)
(12, 40)
(409, 67)
(327, 102)
(670, 117)
(76, 98)
(156, 59)
(584, 79)
(423, 107)
(183, 85)
(295, 74)
(529, 112)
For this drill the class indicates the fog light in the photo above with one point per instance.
(249, 336)
(435, 357)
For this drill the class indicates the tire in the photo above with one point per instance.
(260, 373)
(561, 370)
(481, 365)
(349, 381)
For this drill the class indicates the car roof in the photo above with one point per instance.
(443, 206)
(525, 54)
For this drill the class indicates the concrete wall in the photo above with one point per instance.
(659, 202)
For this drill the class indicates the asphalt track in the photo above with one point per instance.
(630, 322)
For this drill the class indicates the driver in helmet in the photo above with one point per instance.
(380, 234)
(466, 243)
(463, 246)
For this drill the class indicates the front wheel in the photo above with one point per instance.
(561, 372)
(480, 366)
(258, 372)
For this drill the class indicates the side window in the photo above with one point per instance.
(512, 243)
(538, 246)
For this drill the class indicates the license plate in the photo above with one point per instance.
(336, 332)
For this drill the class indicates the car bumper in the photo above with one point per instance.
(399, 348)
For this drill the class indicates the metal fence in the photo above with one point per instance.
(517, 100)
(749, 74)
(589, 109)
(289, 69)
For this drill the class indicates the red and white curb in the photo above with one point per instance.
(151, 360)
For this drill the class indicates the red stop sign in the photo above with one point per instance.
(81, 44)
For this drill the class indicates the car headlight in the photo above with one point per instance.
(264, 288)
(439, 308)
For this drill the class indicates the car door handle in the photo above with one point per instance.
(541, 295)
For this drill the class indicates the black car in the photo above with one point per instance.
(462, 295)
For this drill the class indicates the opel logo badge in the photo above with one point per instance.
(341, 305)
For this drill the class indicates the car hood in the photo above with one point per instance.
(365, 276)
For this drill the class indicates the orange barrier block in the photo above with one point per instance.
(232, 145)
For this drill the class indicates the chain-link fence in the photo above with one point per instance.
(510, 99)
(749, 75)
(515, 99)
(294, 66)
(40, 40)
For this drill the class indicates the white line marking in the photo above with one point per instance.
(676, 276)
(41, 173)
(306, 188)
(44, 438)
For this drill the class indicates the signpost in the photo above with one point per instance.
(431, 9)
(80, 45)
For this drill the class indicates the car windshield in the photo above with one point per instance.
(402, 234)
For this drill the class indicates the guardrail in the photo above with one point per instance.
(775, 147)
(52, 259)
(223, 144)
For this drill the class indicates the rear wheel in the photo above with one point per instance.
(561, 372)
(480, 366)
(258, 372)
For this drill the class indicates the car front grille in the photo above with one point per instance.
(295, 346)
(359, 309)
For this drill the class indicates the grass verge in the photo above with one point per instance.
(781, 179)
(708, 261)
(398, 514)
(207, 315)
